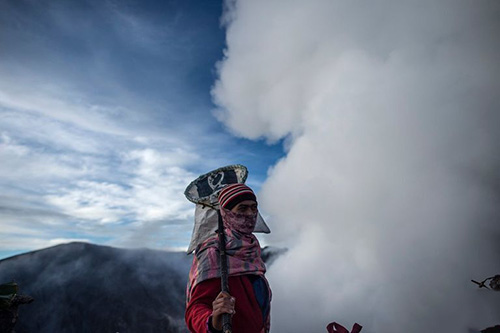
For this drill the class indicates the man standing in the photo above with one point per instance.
(249, 299)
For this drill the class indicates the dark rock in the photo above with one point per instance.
(270, 253)
(9, 316)
(495, 329)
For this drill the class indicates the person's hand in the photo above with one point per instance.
(223, 303)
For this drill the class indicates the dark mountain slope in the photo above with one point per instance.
(81, 287)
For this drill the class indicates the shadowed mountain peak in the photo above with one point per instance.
(82, 287)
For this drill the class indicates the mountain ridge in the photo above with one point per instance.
(84, 287)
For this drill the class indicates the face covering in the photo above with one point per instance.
(242, 223)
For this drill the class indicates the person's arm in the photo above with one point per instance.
(206, 300)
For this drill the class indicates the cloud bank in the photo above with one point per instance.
(388, 196)
(97, 113)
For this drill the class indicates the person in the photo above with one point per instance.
(249, 297)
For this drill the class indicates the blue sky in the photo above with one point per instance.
(106, 115)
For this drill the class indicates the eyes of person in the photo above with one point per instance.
(244, 208)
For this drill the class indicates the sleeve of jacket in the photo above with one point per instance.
(199, 308)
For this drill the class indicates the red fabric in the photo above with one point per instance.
(243, 257)
(337, 328)
(248, 316)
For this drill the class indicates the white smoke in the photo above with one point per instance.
(388, 197)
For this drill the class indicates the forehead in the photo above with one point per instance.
(247, 203)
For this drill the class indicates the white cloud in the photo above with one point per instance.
(152, 181)
(137, 204)
(90, 200)
(159, 179)
(68, 107)
(88, 182)
(16, 243)
(26, 164)
(57, 241)
(386, 197)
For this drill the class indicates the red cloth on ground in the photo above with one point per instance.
(337, 328)
(248, 316)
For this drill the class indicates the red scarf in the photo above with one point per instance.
(242, 248)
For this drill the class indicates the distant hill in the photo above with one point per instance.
(81, 287)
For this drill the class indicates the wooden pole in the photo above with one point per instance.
(226, 317)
